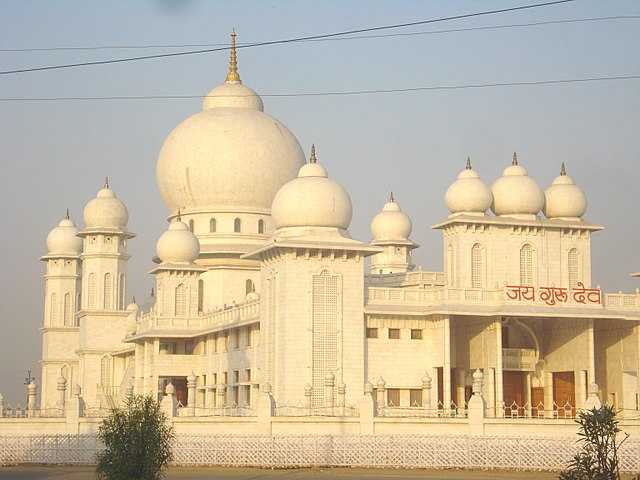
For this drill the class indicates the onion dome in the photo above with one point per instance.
(468, 195)
(312, 200)
(230, 157)
(391, 223)
(515, 194)
(106, 210)
(63, 239)
(564, 199)
(133, 306)
(178, 244)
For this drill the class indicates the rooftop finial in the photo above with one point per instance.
(312, 157)
(563, 169)
(178, 218)
(233, 76)
(391, 199)
(106, 182)
(468, 167)
(133, 299)
(67, 215)
(153, 292)
(515, 159)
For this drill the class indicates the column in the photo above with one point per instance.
(499, 401)
(581, 388)
(435, 394)
(527, 393)
(191, 393)
(426, 391)
(548, 394)
(31, 399)
(61, 387)
(446, 364)
(329, 381)
(381, 393)
(461, 375)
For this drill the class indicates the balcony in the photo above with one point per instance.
(521, 359)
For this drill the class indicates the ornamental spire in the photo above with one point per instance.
(67, 215)
(106, 182)
(563, 170)
(178, 218)
(515, 159)
(391, 198)
(468, 167)
(232, 75)
(312, 157)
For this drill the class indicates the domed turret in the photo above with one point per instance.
(391, 223)
(63, 239)
(227, 162)
(468, 195)
(312, 200)
(515, 194)
(106, 211)
(177, 244)
(564, 199)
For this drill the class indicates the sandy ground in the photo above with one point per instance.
(85, 473)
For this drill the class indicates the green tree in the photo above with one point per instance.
(601, 439)
(137, 440)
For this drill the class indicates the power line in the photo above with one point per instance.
(289, 40)
(339, 92)
(355, 37)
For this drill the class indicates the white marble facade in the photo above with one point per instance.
(259, 286)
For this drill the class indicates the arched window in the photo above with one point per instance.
(526, 265)
(572, 261)
(249, 286)
(121, 291)
(53, 309)
(181, 301)
(200, 296)
(67, 311)
(236, 225)
(191, 225)
(105, 371)
(108, 291)
(260, 226)
(476, 266)
(91, 291)
(212, 225)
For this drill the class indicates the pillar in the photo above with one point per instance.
(548, 394)
(581, 389)
(460, 387)
(446, 364)
(1, 406)
(426, 390)
(367, 411)
(61, 388)
(435, 394)
(498, 373)
(527, 393)
(489, 382)
(169, 404)
(340, 400)
(31, 399)
(308, 391)
(593, 398)
(329, 383)
(210, 397)
(191, 393)
(381, 393)
(476, 411)
(222, 396)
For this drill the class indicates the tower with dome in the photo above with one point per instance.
(262, 293)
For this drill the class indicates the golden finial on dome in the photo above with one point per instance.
(106, 182)
(515, 159)
(312, 157)
(67, 215)
(563, 169)
(178, 218)
(468, 167)
(133, 299)
(391, 199)
(233, 76)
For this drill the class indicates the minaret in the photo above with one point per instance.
(104, 253)
(391, 229)
(61, 302)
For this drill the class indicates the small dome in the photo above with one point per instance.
(232, 95)
(63, 239)
(391, 223)
(564, 199)
(468, 194)
(312, 200)
(178, 244)
(133, 306)
(106, 211)
(516, 194)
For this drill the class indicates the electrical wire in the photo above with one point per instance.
(289, 40)
(355, 37)
(338, 92)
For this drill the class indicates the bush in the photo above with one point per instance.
(137, 441)
(600, 439)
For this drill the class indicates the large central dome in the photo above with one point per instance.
(231, 156)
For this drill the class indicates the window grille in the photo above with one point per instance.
(53, 309)
(394, 333)
(192, 225)
(249, 287)
(476, 266)
(573, 268)
(181, 301)
(91, 288)
(105, 371)
(67, 310)
(108, 291)
(237, 224)
(324, 331)
(526, 265)
(372, 333)
(212, 225)
(416, 334)
(260, 226)
(393, 397)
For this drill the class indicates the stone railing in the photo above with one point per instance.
(407, 279)
(519, 359)
(592, 299)
(235, 314)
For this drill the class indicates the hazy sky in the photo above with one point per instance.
(56, 154)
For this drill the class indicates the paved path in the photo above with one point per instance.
(86, 473)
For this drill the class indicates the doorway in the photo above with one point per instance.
(513, 383)
(564, 394)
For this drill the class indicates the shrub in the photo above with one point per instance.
(137, 440)
(601, 442)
